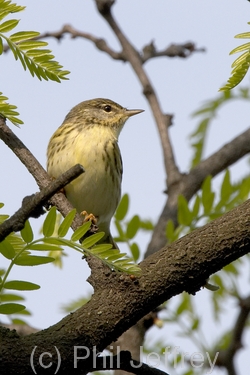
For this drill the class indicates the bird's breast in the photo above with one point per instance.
(98, 189)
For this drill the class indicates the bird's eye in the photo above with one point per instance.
(107, 108)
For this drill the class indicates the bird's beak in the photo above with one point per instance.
(132, 112)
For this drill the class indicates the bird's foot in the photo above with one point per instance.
(93, 227)
(89, 217)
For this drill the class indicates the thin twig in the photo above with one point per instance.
(100, 43)
(174, 50)
(149, 51)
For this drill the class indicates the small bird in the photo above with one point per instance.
(89, 136)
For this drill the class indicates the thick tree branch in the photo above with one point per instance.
(190, 183)
(38, 172)
(183, 265)
(32, 205)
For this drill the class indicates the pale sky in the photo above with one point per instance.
(182, 85)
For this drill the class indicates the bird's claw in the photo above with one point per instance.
(89, 217)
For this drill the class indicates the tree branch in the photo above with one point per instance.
(32, 205)
(174, 50)
(183, 265)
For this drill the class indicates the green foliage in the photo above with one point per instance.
(241, 64)
(17, 249)
(207, 113)
(128, 229)
(11, 308)
(26, 48)
(123, 207)
(20, 285)
(8, 110)
(184, 214)
(204, 207)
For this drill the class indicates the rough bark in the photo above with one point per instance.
(119, 301)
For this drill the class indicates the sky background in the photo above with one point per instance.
(182, 85)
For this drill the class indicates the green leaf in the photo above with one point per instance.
(103, 249)
(133, 227)
(44, 247)
(19, 322)
(32, 260)
(66, 223)
(170, 231)
(81, 231)
(146, 225)
(184, 304)
(243, 35)
(241, 48)
(184, 214)
(74, 305)
(24, 35)
(196, 324)
(8, 111)
(230, 268)
(10, 297)
(207, 196)
(116, 256)
(49, 223)
(7, 7)
(27, 233)
(120, 231)
(240, 65)
(226, 187)
(196, 206)
(20, 285)
(8, 25)
(114, 259)
(34, 44)
(135, 251)
(40, 63)
(11, 308)
(122, 209)
(92, 240)
(7, 249)
(24, 312)
(198, 137)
